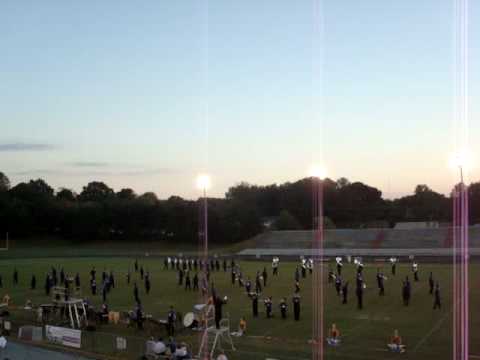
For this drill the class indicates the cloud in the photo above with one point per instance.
(19, 146)
(94, 173)
(36, 172)
(158, 171)
(95, 164)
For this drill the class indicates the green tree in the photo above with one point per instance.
(421, 189)
(126, 194)
(287, 221)
(4, 182)
(149, 198)
(66, 194)
(342, 182)
(96, 191)
(474, 201)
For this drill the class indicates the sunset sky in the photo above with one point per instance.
(118, 91)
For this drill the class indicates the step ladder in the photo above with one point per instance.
(213, 338)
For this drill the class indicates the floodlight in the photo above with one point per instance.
(203, 182)
(317, 171)
(461, 159)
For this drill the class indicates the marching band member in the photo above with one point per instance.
(406, 292)
(338, 285)
(437, 303)
(393, 262)
(296, 307)
(248, 286)
(283, 308)
(171, 318)
(195, 282)
(241, 283)
(297, 287)
(233, 276)
(255, 304)
(188, 283)
(264, 275)
(431, 283)
(345, 292)
(380, 279)
(331, 275)
(415, 271)
(218, 304)
(359, 264)
(338, 259)
(268, 306)
(304, 268)
(359, 291)
(275, 263)
(258, 284)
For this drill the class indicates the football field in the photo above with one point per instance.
(427, 333)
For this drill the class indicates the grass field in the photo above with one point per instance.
(427, 333)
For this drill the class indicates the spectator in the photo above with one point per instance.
(159, 348)
(222, 356)
(181, 353)
(396, 343)
(171, 318)
(172, 345)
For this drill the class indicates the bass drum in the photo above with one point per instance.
(188, 319)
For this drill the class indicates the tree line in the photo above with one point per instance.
(31, 209)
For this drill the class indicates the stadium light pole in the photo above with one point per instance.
(461, 161)
(460, 192)
(460, 260)
(317, 174)
(203, 184)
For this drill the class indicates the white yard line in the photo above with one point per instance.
(431, 332)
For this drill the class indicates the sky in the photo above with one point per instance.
(148, 94)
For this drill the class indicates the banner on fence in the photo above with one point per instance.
(121, 343)
(64, 336)
(30, 333)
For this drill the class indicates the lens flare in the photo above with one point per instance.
(203, 182)
(317, 171)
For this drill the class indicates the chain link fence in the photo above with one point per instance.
(32, 342)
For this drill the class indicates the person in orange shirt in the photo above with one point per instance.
(334, 332)
(396, 343)
(243, 326)
(6, 300)
(334, 338)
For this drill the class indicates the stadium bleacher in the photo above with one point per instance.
(428, 241)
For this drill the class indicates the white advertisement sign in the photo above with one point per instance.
(64, 336)
(121, 343)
